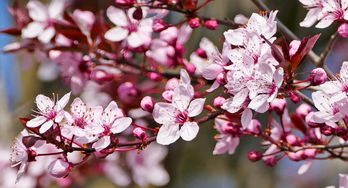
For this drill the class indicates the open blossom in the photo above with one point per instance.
(135, 32)
(49, 112)
(112, 121)
(228, 139)
(324, 11)
(43, 19)
(19, 155)
(175, 116)
(339, 85)
(146, 166)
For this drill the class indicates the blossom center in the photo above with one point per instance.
(182, 117)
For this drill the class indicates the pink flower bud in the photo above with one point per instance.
(201, 53)
(191, 68)
(147, 104)
(127, 92)
(303, 110)
(59, 168)
(100, 76)
(343, 30)
(124, 2)
(64, 182)
(271, 161)
(294, 97)
(172, 84)
(327, 130)
(340, 131)
(278, 105)
(211, 24)
(221, 78)
(292, 139)
(293, 47)
(159, 25)
(167, 95)
(310, 153)
(296, 156)
(219, 101)
(194, 23)
(318, 76)
(254, 156)
(228, 128)
(154, 76)
(254, 126)
(138, 13)
(139, 133)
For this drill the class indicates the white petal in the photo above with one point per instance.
(137, 39)
(63, 101)
(44, 127)
(235, 37)
(121, 124)
(110, 112)
(189, 131)
(196, 107)
(164, 113)
(44, 103)
(32, 30)
(37, 11)
(47, 35)
(56, 8)
(304, 167)
(39, 120)
(212, 71)
(168, 134)
(102, 143)
(247, 115)
(117, 16)
(78, 108)
(259, 103)
(184, 76)
(182, 97)
(184, 34)
(116, 34)
(326, 21)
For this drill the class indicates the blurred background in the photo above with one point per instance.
(190, 164)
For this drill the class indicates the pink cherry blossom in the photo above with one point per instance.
(59, 168)
(50, 112)
(43, 19)
(175, 116)
(136, 33)
(228, 139)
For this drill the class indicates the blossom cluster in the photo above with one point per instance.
(129, 65)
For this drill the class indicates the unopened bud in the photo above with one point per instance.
(201, 53)
(124, 2)
(340, 131)
(295, 98)
(292, 139)
(303, 110)
(254, 156)
(318, 76)
(271, 161)
(343, 30)
(310, 153)
(221, 78)
(100, 76)
(219, 101)
(154, 76)
(254, 126)
(194, 23)
(278, 105)
(211, 24)
(59, 168)
(159, 25)
(191, 68)
(147, 104)
(139, 133)
(167, 95)
(327, 130)
(138, 13)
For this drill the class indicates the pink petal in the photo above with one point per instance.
(37, 11)
(117, 16)
(63, 101)
(304, 167)
(39, 120)
(259, 103)
(311, 17)
(47, 35)
(247, 115)
(235, 37)
(343, 180)
(164, 113)
(189, 131)
(102, 143)
(110, 112)
(116, 34)
(137, 39)
(326, 21)
(168, 134)
(44, 127)
(32, 30)
(211, 71)
(78, 108)
(44, 103)
(56, 8)
(182, 96)
(184, 76)
(196, 107)
(184, 34)
(121, 124)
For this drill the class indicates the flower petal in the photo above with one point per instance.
(168, 134)
(117, 16)
(78, 108)
(37, 11)
(39, 120)
(121, 124)
(44, 127)
(47, 35)
(164, 113)
(182, 97)
(189, 131)
(102, 143)
(32, 30)
(56, 8)
(116, 34)
(63, 101)
(196, 107)
(44, 103)
(247, 115)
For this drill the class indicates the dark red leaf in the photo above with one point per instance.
(12, 31)
(298, 122)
